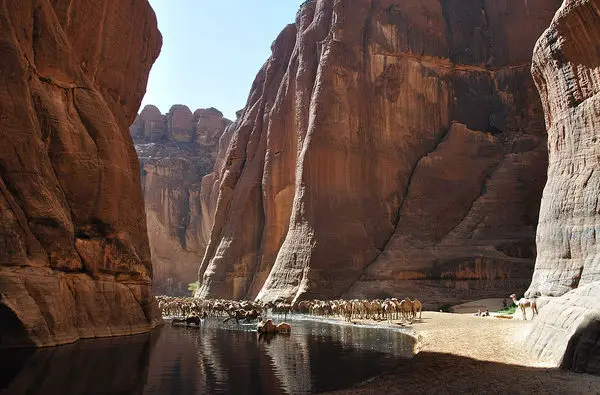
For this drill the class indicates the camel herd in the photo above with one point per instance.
(388, 309)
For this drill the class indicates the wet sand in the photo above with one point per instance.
(461, 353)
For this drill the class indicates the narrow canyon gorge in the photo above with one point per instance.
(176, 151)
(388, 148)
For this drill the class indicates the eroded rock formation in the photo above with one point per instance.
(74, 254)
(566, 68)
(387, 148)
(176, 150)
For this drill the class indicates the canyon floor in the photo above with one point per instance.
(462, 353)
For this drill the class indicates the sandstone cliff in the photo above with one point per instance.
(566, 68)
(387, 148)
(176, 150)
(74, 254)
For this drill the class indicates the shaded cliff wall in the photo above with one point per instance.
(566, 68)
(176, 150)
(74, 254)
(387, 147)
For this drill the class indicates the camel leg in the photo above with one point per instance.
(524, 313)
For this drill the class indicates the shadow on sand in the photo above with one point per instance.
(439, 373)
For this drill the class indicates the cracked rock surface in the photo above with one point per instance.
(387, 148)
(74, 254)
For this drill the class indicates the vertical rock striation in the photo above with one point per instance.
(176, 150)
(566, 68)
(387, 147)
(74, 254)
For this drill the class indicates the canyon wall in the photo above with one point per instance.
(387, 148)
(176, 151)
(74, 253)
(566, 68)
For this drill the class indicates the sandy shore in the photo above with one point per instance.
(461, 353)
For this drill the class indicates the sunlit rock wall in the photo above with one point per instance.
(566, 68)
(388, 148)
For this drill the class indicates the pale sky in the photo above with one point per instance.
(212, 50)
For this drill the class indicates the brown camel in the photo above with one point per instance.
(406, 308)
(417, 306)
(523, 304)
(269, 327)
(193, 319)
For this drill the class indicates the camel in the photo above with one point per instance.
(269, 326)
(523, 304)
(246, 315)
(284, 327)
(406, 308)
(417, 305)
(193, 319)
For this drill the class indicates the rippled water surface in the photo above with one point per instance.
(215, 358)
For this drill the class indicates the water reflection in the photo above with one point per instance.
(103, 366)
(211, 359)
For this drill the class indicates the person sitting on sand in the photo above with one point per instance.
(478, 314)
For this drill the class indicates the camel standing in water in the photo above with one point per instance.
(239, 314)
(269, 326)
(192, 319)
(523, 304)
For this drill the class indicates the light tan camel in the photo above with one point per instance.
(523, 304)
(406, 308)
(417, 306)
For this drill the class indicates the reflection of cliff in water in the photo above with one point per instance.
(209, 359)
(106, 366)
(291, 361)
(313, 360)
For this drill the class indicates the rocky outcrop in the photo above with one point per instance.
(387, 148)
(74, 254)
(176, 150)
(566, 68)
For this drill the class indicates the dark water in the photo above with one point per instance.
(212, 359)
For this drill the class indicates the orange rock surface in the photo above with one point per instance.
(74, 254)
(386, 148)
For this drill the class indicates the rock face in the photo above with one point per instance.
(176, 150)
(566, 68)
(74, 254)
(387, 148)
